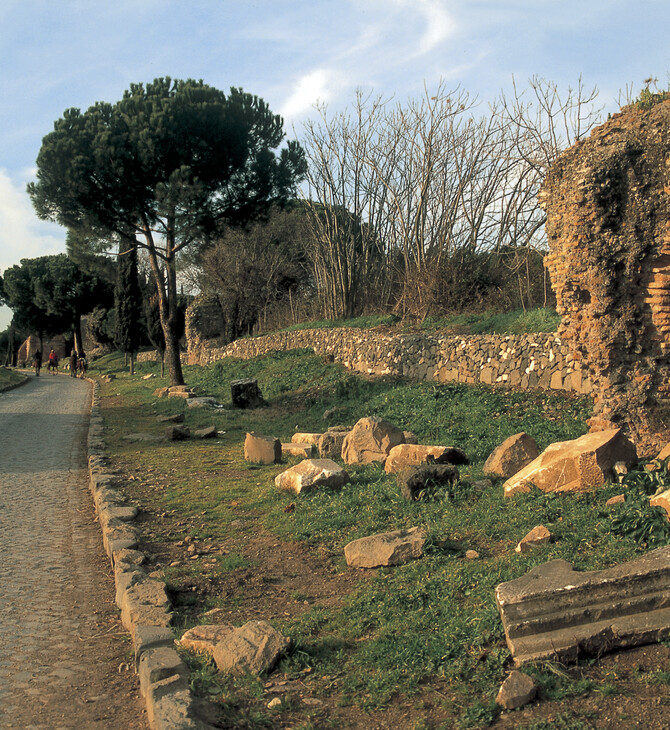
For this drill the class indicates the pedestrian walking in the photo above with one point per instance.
(74, 360)
(37, 362)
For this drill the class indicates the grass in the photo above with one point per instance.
(9, 378)
(364, 648)
(517, 322)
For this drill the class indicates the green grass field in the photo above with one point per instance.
(426, 629)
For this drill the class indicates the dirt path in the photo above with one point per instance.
(64, 658)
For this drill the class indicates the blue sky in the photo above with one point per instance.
(72, 53)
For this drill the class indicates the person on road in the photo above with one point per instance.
(74, 359)
(37, 362)
(82, 364)
(53, 362)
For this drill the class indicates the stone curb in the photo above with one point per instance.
(144, 604)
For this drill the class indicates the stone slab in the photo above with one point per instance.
(557, 613)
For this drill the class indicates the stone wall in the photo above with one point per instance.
(608, 218)
(523, 361)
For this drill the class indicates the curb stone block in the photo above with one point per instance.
(146, 607)
(159, 663)
(150, 637)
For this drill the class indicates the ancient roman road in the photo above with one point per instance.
(65, 660)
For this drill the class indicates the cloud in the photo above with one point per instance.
(22, 234)
(318, 85)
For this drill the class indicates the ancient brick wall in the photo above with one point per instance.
(608, 219)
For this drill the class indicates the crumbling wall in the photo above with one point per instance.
(608, 218)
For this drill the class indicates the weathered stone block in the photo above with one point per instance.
(370, 440)
(570, 466)
(406, 455)
(312, 473)
(554, 612)
(253, 648)
(415, 479)
(385, 549)
(262, 449)
(245, 393)
(512, 455)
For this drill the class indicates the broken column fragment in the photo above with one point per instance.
(557, 613)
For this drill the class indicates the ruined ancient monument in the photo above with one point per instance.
(608, 224)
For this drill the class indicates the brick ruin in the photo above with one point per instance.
(608, 225)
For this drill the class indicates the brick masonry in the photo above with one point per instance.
(608, 228)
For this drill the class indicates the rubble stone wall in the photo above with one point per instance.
(523, 361)
(608, 227)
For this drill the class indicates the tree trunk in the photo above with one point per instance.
(132, 363)
(76, 329)
(167, 304)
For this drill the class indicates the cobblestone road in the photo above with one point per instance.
(64, 658)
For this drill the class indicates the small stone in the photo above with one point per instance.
(516, 691)
(275, 702)
(537, 536)
(618, 499)
(471, 555)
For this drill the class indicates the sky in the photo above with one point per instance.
(294, 53)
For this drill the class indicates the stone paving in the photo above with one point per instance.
(64, 658)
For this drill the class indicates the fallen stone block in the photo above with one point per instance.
(330, 443)
(306, 438)
(262, 449)
(161, 392)
(245, 393)
(537, 536)
(205, 638)
(410, 438)
(312, 473)
(184, 394)
(662, 500)
(617, 499)
(177, 433)
(387, 548)
(416, 479)
(370, 440)
(405, 455)
(513, 454)
(556, 613)
(577, 465)
(202, 402)
(251, 649)
(209, 432)
(297, 449)
(516, 691)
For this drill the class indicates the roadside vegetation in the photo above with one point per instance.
(417, 646)
(519, 321)
(8, 378)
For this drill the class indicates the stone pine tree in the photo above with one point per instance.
(127, 302)
(167, 164)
